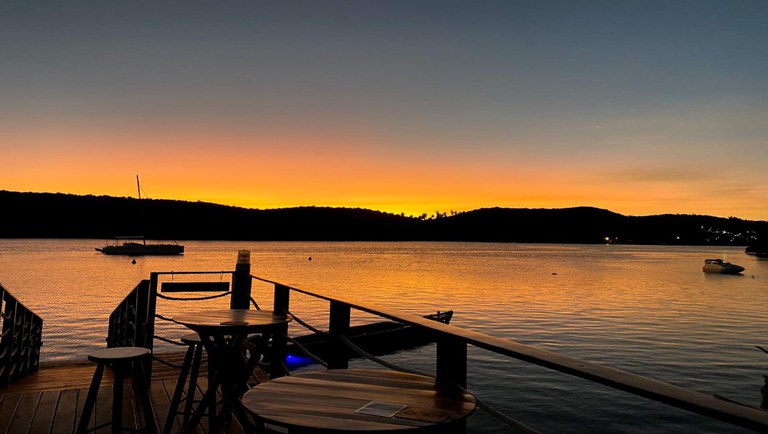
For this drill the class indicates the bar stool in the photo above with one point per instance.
(122, 359)
(190, 368)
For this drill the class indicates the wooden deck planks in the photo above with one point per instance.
(58, 412)
(51, 400)
(68, 407)
(45, 412)
(25, 411)
(78, 374)
(99, 416)
(160, 395)
(8, 406)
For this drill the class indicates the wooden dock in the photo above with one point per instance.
(51, 399)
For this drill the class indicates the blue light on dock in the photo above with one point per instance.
(293, 361)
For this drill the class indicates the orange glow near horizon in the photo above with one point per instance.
(276, 169)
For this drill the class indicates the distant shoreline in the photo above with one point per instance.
(55, 215)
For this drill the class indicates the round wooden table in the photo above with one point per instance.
(229, 321)
(353, 400)
(222, 333)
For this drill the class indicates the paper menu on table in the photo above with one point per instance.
(378, 408)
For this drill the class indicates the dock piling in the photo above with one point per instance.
(241, 282)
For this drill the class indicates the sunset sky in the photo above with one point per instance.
(640, 107)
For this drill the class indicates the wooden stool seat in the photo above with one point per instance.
(123, 360)
(191, 339)
(119, 354)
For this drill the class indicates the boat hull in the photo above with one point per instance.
(378, 339)
(761, 251)
(137, 249)
(721, 267)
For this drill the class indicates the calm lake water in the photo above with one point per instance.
(648, 310)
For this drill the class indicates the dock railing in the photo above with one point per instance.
(129, 323)
(21, 339)
(132, 323)
(451, 359)
(451, 346)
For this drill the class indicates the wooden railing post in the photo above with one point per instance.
(25, 346)
(764, 393)
(282, 299)
(147, 299)
(143, 328)
(338, 325)
(241, 282)
(7, 341)
(451, 371)
(451, 363)
(37, 343)
(11, 332)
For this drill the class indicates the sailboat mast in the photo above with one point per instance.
(138, 186)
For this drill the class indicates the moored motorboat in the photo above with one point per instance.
(722, 267)
(377, 338)
(137, 246)
(758, 250)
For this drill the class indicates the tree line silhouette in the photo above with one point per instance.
(56, 215)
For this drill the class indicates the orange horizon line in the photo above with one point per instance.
(423, 214)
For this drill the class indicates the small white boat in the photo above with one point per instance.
(722, 267)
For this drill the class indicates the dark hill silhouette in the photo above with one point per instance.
(55, 215)
(567, 225)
